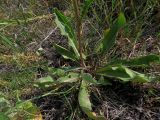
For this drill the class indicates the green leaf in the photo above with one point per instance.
(85, 7)
(44, 82)
(123, 73)
(7, 22)
(7, 41)
(65, 53)
(3, 116)
(85, 103)
(57, 72)
(104, 81)
(139, 61)
(70, 78)
(121, 21)
(110, 35)
(83, 98)
(66, 29)
(31, 111)
(88, 78)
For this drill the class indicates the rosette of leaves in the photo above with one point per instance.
(119, 69)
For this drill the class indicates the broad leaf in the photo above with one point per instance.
(66, 29)
(65, 53)
(70, 78)
(88, 78)
(139, 61)
(123, 73)
(110, 35)
(44, 82)
(56, 72)
(85, 103)
(87, 4)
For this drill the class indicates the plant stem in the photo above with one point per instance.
(79, 29)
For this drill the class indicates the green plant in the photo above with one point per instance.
(21, 110)
(84, 75)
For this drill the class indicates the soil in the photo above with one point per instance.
(117, 102)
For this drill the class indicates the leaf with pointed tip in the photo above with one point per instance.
(7, 41)
(65, 53)
(121, 21)
(99, 45)
(139, 61)
(85, 103)
(123, 73)
(66, 29)
(110, 34)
